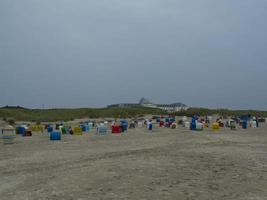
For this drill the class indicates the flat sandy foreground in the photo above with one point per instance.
(164, 164)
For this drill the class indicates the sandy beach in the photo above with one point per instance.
(164, 164)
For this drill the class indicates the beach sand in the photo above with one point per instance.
(164, 164)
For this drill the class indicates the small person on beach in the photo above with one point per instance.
(149, 125)
(71, 131)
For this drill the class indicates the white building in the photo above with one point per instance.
(175, 107)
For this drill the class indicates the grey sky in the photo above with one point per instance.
(80, 53)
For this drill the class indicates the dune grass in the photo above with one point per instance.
(50, 115)
(70, 114)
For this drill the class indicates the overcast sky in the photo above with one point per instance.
(90, 53)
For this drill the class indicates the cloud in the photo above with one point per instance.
(67, 52)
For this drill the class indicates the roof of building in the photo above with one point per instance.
(144, 101)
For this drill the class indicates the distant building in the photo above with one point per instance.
(123, 105)
(146, 103)
(175, 107)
